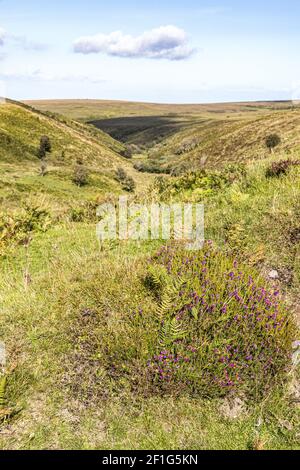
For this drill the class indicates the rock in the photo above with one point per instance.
(273, 274)
(294, 390)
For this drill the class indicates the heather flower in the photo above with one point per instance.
(236, 312)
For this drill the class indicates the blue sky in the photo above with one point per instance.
(163, 51)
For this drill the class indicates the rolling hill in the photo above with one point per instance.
(88, 110)
(21, 128)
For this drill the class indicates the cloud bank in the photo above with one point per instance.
(166, 42)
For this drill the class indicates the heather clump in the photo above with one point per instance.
(280, 168)
(222, 329)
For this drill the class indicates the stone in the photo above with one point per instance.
(273, 274)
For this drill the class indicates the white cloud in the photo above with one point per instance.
(2, 36)
(166, 42)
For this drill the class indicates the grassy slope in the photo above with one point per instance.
(222, 141)
(20, 130)
(51, 345)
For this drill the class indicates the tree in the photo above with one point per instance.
(45, 147)
(272, 141)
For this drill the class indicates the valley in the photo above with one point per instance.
(139, 344)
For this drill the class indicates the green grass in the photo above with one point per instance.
(42, 321)
(63, 405)
(64, 297)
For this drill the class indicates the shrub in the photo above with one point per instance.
(85, 212)
(126, 181)
(128, 184)
(15, 228)
(200, 184)
(80, 175)
(121, 174)
(280, 168)
(127, 152)
(272, 141)
(45, 147)
(221, 330)
(150, 166)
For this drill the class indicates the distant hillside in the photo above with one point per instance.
(88, 110)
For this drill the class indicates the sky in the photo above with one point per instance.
(191, 51)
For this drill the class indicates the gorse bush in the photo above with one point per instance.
(221, 329)
(200, 183)
(15, 228)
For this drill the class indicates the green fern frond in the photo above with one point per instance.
(170, 332)
(157, 275)
(166, 304)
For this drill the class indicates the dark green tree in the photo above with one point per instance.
(272, 141)
(45, 147)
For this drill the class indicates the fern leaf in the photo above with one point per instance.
(171, 331)
(165, 304)
(157, 275)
